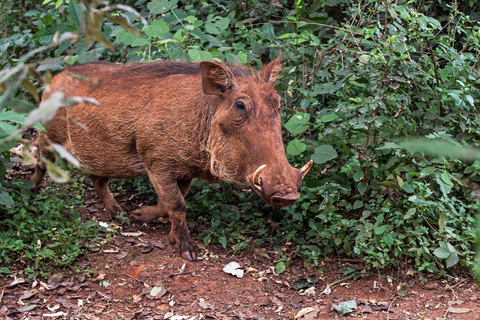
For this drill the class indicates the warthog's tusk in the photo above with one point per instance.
(305, 168)
(257, 182)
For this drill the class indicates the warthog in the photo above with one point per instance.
(174, 121)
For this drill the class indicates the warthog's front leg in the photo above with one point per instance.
(171, 202)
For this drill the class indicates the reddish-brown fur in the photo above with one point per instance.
(174, 121)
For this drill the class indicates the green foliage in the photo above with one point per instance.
(360, 82)
(45, 229)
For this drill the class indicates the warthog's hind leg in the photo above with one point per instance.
(40, 167)
(103, 191)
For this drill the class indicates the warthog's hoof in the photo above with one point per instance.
(186, 255)
(185, 246)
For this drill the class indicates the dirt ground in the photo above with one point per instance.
(139, 276)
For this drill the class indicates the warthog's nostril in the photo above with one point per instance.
(283, 201)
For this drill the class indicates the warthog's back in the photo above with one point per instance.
(147, 110)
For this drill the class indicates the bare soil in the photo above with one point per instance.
(139, 276)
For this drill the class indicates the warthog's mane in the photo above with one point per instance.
(160, 68)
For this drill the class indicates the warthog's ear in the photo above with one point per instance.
(270, 71)
(216, 79)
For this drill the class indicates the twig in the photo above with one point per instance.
(125, 274)
(389, 306)
(448, 310)
(437, 77)
(178, 274)
(462, 281)
(1, 295)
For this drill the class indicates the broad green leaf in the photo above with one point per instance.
(280, 267)
(380, 229)
(12, 116)
(357, 176)
(6, 200)
(446, 178)
(268, 32)
(207, 240)
(358, 204)
(75, 12)
(442, 253)
(452, 260)
(5, 270)
(389, 184)
(296, 147)
(329, 118)
(362, 187)
(223, 241)
(159, 6)
(324, 153)
(158, 29)
(298, 123)
(216, 25)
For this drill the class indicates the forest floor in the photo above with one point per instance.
(138, 275)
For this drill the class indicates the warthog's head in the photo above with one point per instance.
(245, 140)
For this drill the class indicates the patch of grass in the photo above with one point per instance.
(46, 230)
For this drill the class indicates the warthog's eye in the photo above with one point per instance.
(240, 105)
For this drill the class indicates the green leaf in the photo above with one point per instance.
(362, 187)
(157, 29)
(75, 12)
(380, 229)
(359, 175)
(296, 147)
(358, 204)
(280, 267)
(45, 36)
(442, 253)
(324, 153)
(216, 25)
(5, 270)
(12, 116)
(207, 240)
(452, 260)
(446, 178)
(298, 123)
(6, 200)
(268, 32)
(389, 184)
(329, 118)
(223, 241)
(56, 173)
(161, 6)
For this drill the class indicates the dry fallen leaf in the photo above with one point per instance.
(16, 281)
(459, 310)
(100, 277)
(28, 294)
(54, 315)
(121, 255)
(132, 234)
(303, 312)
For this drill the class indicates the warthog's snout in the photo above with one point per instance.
(280, 201)
(279, 185)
